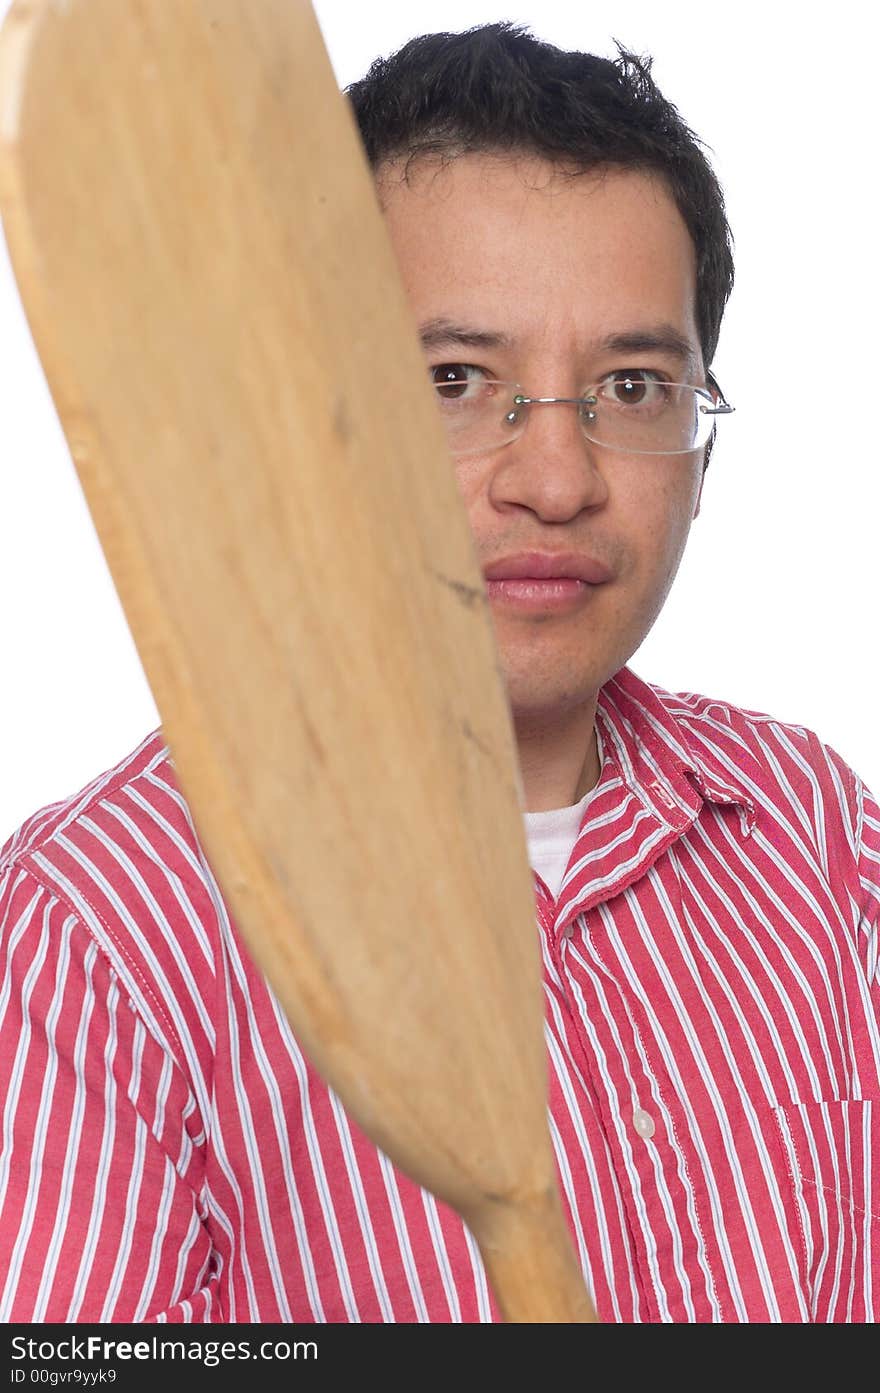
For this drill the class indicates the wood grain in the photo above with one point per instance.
(212, 293)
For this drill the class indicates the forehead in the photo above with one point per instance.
(538, 251)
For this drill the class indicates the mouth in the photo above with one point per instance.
(545, 581)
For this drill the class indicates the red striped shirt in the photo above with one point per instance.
(711, 974)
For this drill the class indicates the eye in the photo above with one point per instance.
(455, 381)
(635, 387)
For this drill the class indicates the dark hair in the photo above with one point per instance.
(496, 87)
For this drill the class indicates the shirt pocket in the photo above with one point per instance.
(832, 1152)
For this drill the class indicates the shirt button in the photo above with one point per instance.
(662, 794)
(643, 1123)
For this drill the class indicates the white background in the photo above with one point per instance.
(775, 605)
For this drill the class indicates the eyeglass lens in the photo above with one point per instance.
(639, 415)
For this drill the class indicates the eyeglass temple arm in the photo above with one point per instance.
(724, 407)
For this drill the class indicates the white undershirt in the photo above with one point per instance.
(551, 836)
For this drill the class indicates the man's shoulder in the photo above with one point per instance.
(146, 773)
(117, 868)
(764, 758)
(706, 719)
(710, 722)
(711, 716)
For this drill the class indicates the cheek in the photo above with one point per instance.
(652, 510)
(471, 476)
(666, 514)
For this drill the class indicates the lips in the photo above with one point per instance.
(543, 565)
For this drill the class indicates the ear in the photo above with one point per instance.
(696, 512)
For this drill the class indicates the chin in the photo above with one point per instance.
(545, 699)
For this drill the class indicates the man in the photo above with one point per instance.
(706, 879)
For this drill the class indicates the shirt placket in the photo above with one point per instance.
(611, 1045)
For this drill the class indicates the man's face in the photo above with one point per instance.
(529, 276)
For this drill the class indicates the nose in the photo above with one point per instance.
(551, 469)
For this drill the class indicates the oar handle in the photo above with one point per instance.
(530, 1262)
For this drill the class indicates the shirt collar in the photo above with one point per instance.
(665, 752)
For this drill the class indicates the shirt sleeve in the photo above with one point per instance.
(858, 870)
(101, 1170)
(869, 880)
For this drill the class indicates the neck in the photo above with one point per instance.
(558, 759)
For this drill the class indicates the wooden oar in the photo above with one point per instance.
(208, 279)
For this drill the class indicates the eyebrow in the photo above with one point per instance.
(655, 338)
(437, 333)
(658, 338)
